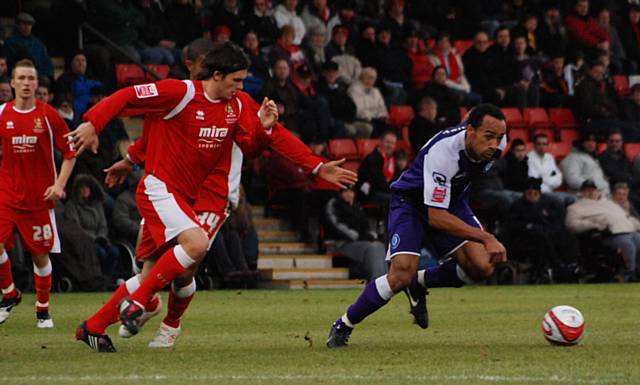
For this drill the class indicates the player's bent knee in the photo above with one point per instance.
(194, 242)
(482, 272)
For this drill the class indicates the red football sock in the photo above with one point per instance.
(109, 312)
(178, 303)
(6, 278)
(153, 304)
(170, 265)
(42, 279)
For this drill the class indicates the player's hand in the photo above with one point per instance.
(84, 137)
(496, 250)
(118, 172)
(53, 193)
(333, 173)
(268, 113)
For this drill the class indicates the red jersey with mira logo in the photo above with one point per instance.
(194, 136)
(28, 139)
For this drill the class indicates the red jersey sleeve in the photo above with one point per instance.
(138, 150)
(58, 129)
(162, 96)
(250, 136)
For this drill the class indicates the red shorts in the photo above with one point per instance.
(165, 215)
(211, 222)
(37, 228)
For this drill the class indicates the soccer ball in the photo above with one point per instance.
(563, 325)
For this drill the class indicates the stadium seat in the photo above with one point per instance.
(462, 46)
(343, 148)
(601, 147)
(559, 150)
(514, 118)
(160, 70)
(400, 116)
(518, 132)
(352, 165)
(562, 118)
(537, 118)
(621, 85)
(632, 150)
(568, 135)
(129, 74)
(405, 133)
(366, 146)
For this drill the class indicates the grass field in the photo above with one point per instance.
(478, 335)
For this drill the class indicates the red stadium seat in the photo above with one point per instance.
(632, 150)
(569, 135)
(352, 165)
(519, 132)
(562, 118)
(405, 133)
(621, 84)
(601, 147)
(514, 118)
(160, 70)
(560, 150)
(129, 74)
(537, 118)
(550, 132)
(343, 148)
(462, 46)
(366, 146)
(400, 116)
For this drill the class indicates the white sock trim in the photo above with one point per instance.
(463, 276)
(384, 290)
(40, 304)
(186, 291)
(132, 284)
(42, 271)
(346, 321)
(4, 257)
(8, 289)
(182, 257)
(421, 278)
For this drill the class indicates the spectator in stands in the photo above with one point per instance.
(370, 107)
(501, 53)
(377, 170)
(616, 51)
(347, 18)
(620, 194)
(448, 100)
(516, 171)
(317, 14)
(6, 92)
(22, 43)
(582, 164)
(584, 30)
(119, 22)
(395, 18)
(314, 119)
(286, 49)
(42, 92)
(595, 100)
(75, 82)
(182, 22)
(221, 34)
(4, 69)
(421, 68)
(425, 124)
(366, 46)
(529, 29)
(630, 108)
(125, 218)
(524, 76)
(394, 67)
(615, 164)
(444, 55)
(552, 34)
(227, 13)
(347, 224)
(260, 19)
(84, 207)
(286, 14)
(554, 87)
(313, 47)
(64, 105)
(402, 162)
(282, 91)
(592, 211)
(334, 91)
(158, 47)
(258, 73)
(541, 164)
(537, 234)
(480, 70)
(339, 51)
(629, 30)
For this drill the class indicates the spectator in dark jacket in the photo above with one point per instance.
(280, 89)
(555, 89)
(227, 13)
(182, 23)
(595, 99)
(525, 77)
(349, 226)
(378, 170)
(615, 164)
(394, 67)
(630, 34)
(448, 100)
(158, 46)
(329, 87)
(552, 34)
(630, 110)
(23, 42)
(480, 70)
(74, 81)
(425, 124)
(125, 218)
(260, 19)
(516, 172)
(258, 73)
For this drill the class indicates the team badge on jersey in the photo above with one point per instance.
(199, 115)
(144, 91)
(231, 117)
(439, 179)
(37, 125)
(10, 125)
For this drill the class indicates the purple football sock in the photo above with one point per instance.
(443, 275)
(375, 295)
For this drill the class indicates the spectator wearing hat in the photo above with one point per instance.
(582, 164)
(334, 91)
(286, 14)
(260, 19)
(221, 34)
(75, 82)
(592, 212)
(340, 51)
(347, 224)
(314, 112)
(22, 44)
(317, 14)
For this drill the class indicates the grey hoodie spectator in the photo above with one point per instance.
(581, 164)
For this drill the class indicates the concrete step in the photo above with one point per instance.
(257, 211)
(277, 236)
(270, 224)
(313, 284)
(291, 261)
(286, 248)
(303, 274)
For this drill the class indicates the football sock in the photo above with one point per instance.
(171, 264)
(6, 278)
(109, 312)
(179, 299)
(42, 279)
(447, 274)
(375, 295)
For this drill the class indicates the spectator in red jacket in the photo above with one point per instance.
(584, 29)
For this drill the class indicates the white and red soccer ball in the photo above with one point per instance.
(563, 325)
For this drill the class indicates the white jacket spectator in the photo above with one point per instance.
(367, 98)
(543, 165)
(286, 14)
(581, 165)
(312, 19)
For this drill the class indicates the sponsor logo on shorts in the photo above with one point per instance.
(395, 241)
(439, 179)
(439, 194)
(144, 91)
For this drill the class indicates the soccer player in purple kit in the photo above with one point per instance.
(430, 201)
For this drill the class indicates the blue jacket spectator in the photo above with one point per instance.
(75, 82)
(22, 44)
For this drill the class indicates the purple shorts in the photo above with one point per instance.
(409, 229)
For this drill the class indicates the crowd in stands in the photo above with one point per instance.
(373, 81)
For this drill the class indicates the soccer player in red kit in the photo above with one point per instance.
(30, 185)
(201, 121)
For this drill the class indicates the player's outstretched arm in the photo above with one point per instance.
(56, 191)
(333, 173)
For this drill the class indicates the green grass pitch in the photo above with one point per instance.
(478, 335)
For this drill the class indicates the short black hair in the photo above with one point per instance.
(478, 113)
(517, 142)
(538, 136)
(225, 58)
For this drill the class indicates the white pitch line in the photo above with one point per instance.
(303, 377)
